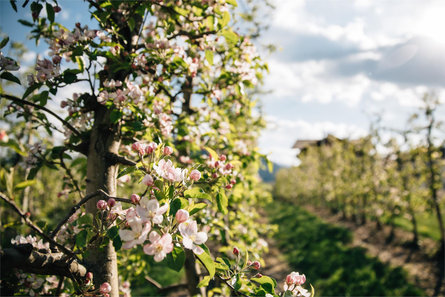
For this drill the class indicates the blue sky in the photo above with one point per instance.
(338, 62)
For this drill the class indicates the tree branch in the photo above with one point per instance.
(35, 227)
(114, 159)
(72, 211)
(18, 100)
(26, 258)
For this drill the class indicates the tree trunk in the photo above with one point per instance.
(101, 174)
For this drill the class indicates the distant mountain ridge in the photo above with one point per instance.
(266, 176)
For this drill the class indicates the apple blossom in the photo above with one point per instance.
(195, 175)
(182, 215)
(160, 246)
(149, 210)
(148, 180)
(136, 235)
(150, 148)
(235, 251)
(191, 238)
(165, 169)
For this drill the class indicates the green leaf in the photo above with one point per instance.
(212, 153)
(208, 263)
(131, 24)
(50, 12)
(209, 57)
(176, 259)
(113, 232)
(115, 115)
(197, 207)
(86, 219)
(25, 23)
(267, 283)
(12, 144)
(80, 63)
(4, 42)
(196, 193)
(222, 202)
(204, 282)
(81, 239)
(117, 243)
(69, 77)
(14, 6)
(8, 76)
(225, 19)
(42, 98)
(177, 204)
(232, 2)
(31, 89)
(312, 291)
(24, 184)
(230, 36)
(127, 170)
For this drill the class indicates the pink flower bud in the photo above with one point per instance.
(258, 275)
(228, 166)
(195, 175)
(148, 180)
(89, 276)
(4, 136)
(105, 288)
(217, 163)
(137, 146)
(235, 251)
(182, 215)
(57, 9)
(229, 186)
(256, 265)
(214, 175)
(150, 148)
(101, 204)
(111, 202)
(135, 198)
(168, 151)
(233, 181)
(223, 158)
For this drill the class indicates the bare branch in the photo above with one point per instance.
(35, 227)
(114, 159)
(18, 100)
(72, 211)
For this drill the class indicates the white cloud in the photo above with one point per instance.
(277, 139)
(29, 57)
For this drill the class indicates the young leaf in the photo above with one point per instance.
(50, 12)
(222, 202)
(24, 184)
(209, 57)
(267, 283)
(197, 207)
(212, 153)
(176, 259)
(177, 204)
(81, 239)
(117, 243)
(8, 76)
(208, 263)
(196, 193)
(4, 42)
(113, 232)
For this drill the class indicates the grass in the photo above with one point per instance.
(320, 251)
(427, 225)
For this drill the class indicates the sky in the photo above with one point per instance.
(340, 62)
(337, 64)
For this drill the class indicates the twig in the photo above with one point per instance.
(153, 282)
(236, 292)
(59, 285)
(35, 227)
(16, 99)
(125, 200)
(72, 211)
(114, 158)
